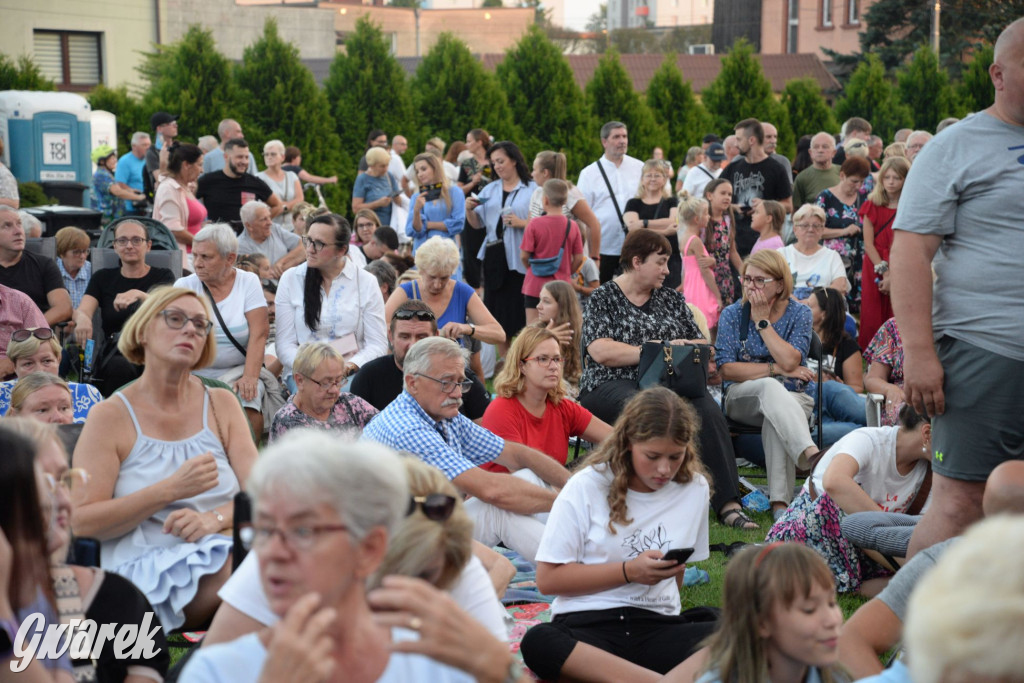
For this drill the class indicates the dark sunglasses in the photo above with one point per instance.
(422, 316)
(437, 506)
(40, 333)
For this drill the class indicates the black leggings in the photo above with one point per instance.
(607, 400)
(654, 641)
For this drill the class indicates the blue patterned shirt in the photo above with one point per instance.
(83, 398)
(452, 446)
(76, 285)
(794, 326)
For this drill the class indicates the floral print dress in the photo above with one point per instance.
(839, 215)
(720, 243)
(887, 348)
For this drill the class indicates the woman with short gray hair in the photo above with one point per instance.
(241, 324)
(285, 184)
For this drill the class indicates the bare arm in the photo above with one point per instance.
(870, 632)
(853, 372)
(841, 284)
(632, 220)
(83, 318)
(500, 570)
(488, 329)
(877, 382)
(516, 456)
(838, 482)
(60, 306)
(706, 273)
(505, 491)
(307, 177)
(868, 232)
(292, 258)
(586, 215)
(575, 578)
(597, 430)
(614, 354)
(228, 624)
(259, 328)
(275, 204)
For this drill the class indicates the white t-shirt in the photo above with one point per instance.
(537, 205)
(473, 592)
(624, 180)
(697, 178)
(246, 295)
(874, 449)
(675, 516)
(243, 660)
(817, 270)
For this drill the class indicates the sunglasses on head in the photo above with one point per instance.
(422, 316)
(437, 506)
(40, 333)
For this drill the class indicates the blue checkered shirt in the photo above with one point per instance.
(452, 446)
(76, 285)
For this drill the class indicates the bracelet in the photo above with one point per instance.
(771, 369)
(624, 572)
(882, 267)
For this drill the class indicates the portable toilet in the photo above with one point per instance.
(47, 140)
(104, 131)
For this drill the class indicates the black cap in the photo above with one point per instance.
(160, 118)
(711, 137)
(715, 152)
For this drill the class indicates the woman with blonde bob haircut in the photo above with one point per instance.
(531, 407)
(35, 350)
(165, 454)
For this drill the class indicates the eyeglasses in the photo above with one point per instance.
(436, 507)
(79, 252)
(296, 538)
(176, 320)
(810, 226)
(448, 385)
(545, 360)
(40, 333)
(653, 175)
(757, 282)
(70, 479)
(134, 241)
(422, 316)
(326, 384)
(316, 245)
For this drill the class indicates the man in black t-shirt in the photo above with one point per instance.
(223, 192)
(30, 274)
(380, 381)
(754, 176)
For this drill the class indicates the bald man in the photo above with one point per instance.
(963, 337)
(822, 174)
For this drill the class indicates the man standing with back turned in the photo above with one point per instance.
(964, 345)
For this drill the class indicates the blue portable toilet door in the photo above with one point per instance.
(60, 154)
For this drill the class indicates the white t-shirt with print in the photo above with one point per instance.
(676, 516)
(246, 295)
(874, 449)
(817, 270)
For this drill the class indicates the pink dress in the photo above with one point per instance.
(695, 289)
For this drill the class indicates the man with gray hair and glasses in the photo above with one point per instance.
(425, 420)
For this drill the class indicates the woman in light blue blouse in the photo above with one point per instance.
(763, 363)
(439, 208)
(503, 209)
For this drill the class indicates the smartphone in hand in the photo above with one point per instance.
(680, 555)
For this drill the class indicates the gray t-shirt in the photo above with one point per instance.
(965, 185)
(275, 247)
(896, 594)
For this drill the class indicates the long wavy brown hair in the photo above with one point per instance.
(651, 414)
(568, 312)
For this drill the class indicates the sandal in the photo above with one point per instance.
(735, 519)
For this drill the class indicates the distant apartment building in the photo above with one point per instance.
(659, 13)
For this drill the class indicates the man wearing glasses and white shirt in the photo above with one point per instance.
(425, 420)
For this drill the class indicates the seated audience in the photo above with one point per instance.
(383, 243)
(531, 406)
(634, 308)
(640, 494)
(558, 311)
(885, 370)
(386, 276)
(31, 274)
(380, 381)
(335, 511)
(32, 225)
(364, 226)
(165, 458)
(44, 397)
(262, 236)
(425, 420)
(869, 469)
(811, 264)
(329, 298)
(37, 350)
(240, 322)
(17, 312)
(73, 261)
(118, 293)
(762, 347)
(319, 402)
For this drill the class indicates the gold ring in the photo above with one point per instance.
(415, 623)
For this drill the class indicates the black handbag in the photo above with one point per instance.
(682, 368)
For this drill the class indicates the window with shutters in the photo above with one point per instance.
(71, 59)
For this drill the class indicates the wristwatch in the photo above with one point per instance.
(763, 324)
(472, 330)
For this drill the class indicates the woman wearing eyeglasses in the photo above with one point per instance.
(811, 264)
(531, 406)
(117, 293)
(329, 298)
(319, 402)
(36, 351)
(165, 456)
(73, 261)
(763, 363)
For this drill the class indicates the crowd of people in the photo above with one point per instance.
(416, 379)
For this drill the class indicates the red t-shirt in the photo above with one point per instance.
(550, 434)
(544, 236)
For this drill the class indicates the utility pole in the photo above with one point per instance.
(935, 27)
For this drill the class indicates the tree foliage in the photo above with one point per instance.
(453, 94)
(192, 79)
(808, 111)
(131, 116)
(871, 95)
(545, 101)
(283, 101)
(975, 90)
(612, 98)
(741, 90)
(22, 74)
(925, 88)
(673, 103)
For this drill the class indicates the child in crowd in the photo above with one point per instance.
(767, 221)
(699, 286)
(780, 620)
(255, 263)
(640, 495)
(586, 277)
(559, 311)
(548, 237)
